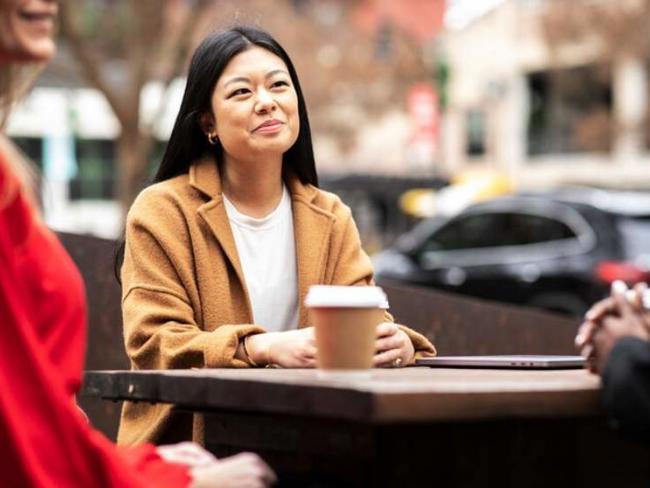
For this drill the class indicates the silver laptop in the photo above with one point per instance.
(520, 361)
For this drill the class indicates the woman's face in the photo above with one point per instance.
(27, 30)
(255, 106)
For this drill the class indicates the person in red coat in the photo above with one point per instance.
(46, 441)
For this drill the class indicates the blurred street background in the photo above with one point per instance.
(536, 111)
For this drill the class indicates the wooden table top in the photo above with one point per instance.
(381, 396)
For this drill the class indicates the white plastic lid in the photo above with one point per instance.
(346, 296)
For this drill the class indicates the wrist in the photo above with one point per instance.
(257, 346)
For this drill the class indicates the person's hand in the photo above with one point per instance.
(623, 314)
(290, 349)
(599, 309)
(187, 453)
(584, 342)
(245, 470)
(636, 299)
(584, 338)
(612, 329)
(393, 347)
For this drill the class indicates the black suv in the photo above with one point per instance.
(558, 251)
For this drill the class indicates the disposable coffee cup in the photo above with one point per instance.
(345, 320)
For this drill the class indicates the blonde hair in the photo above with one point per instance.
(15, 81)
(19, 166)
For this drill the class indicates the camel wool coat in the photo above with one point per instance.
(184, 298)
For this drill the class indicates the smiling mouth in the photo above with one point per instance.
(269, 126)
(37, 16)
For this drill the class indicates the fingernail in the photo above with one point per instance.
(645, 299)
(630, 296)
(618, 287)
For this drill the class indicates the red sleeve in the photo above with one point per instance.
(45, 441)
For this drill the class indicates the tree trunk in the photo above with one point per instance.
(133, 154)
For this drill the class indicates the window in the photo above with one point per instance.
(497, 230)
(635, 236)
(475, 133)
(467, 232)
(570, 111)
(520, 229)
(95, 179)
(155, 159)
(32, 147)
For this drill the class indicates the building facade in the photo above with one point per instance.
(543, 116)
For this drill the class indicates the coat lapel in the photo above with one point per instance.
(214, 214)
(204, 176)
(312, 230)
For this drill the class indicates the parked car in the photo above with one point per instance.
(558, 252)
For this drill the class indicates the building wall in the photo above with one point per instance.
(489, 61)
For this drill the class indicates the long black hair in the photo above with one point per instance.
(188, 142)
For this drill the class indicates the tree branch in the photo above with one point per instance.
(88, 60)
(184, 42)
(148, 21)
(183, 45)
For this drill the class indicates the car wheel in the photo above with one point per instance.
(560, 302)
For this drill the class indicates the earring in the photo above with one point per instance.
(212, 138)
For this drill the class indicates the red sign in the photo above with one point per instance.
(422, 102)
(423, 107)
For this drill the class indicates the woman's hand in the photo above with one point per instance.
(297, 348)
(187, 453)
(393, 347)
(290, 349)
(245, 470)
(241, 471)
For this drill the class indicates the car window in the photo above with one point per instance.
(466, 232)
(635, 233)
(496, 230)
(524, 228)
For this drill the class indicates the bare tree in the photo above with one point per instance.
(123, 45)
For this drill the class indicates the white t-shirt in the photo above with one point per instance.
(267, 253)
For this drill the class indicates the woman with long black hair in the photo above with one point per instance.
(221, 250)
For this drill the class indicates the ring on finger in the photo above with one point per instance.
(397, 363)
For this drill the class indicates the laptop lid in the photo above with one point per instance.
(518, 361)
